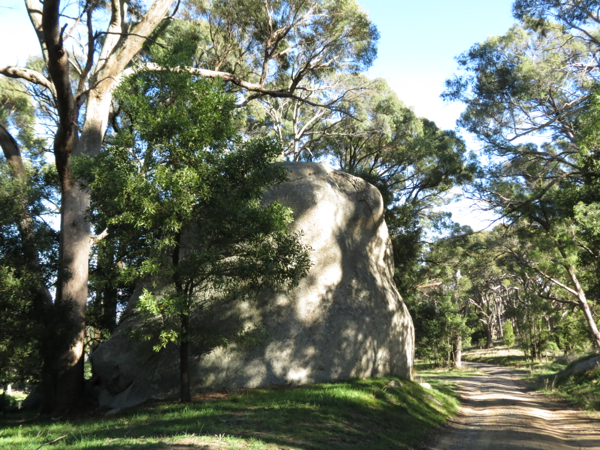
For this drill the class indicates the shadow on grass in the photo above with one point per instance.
(553, 377)
(370, 414)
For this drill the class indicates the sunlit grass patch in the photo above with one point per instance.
(513, 357)
(372, 413)
(428, 370)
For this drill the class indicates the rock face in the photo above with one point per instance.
(345, 319)
(588, 364)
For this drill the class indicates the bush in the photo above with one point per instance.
(509, 334)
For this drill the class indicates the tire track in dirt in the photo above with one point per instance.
(499, 412)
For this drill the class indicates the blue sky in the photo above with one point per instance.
(419, 41)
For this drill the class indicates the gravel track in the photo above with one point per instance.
(499, 412)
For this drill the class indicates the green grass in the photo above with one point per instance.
(504, 356)
(428, 370)
(582, 389)
(360, 414)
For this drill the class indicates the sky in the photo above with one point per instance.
(419, 40)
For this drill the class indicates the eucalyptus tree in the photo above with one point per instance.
(486, 296)
(525, 94)
(529, 81)
(264, 48)
(581, 16)
(529, 96)
(544, 217)
(439, 305)
(384, 139)
(302, 126)
(539, 308)
(412, 162)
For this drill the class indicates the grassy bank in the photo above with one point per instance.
(582, 389)
(381, 413)
(550, 375)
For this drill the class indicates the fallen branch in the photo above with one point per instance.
(52, 442)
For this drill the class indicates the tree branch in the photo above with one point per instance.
(99, 237)
(556, 282)
(34, 9)
(28, 75)
(226, 76)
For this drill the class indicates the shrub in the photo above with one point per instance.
(509, 334)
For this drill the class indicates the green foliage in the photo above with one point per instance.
(409, 157)
(28, 246)
(529, 86)
(571, 333)
(438, 322)
(534, 338)
(19, 329)
(317, 37)
(569, 14)
(508, 334)
(181, 198)
(17, 113)
(508, 78)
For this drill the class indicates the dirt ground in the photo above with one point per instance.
(499, 412)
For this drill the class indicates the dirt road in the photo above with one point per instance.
(499, 412)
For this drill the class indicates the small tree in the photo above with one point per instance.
(509, 334)
(185, 198)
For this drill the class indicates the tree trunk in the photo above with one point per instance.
(74, 250)
(499, 324)
(587, 312)
(457, 352)
(72, 292)
(63, 367)
(489, 336)
(184, 369)
(585, 307)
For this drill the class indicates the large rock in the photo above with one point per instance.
(587, 364)
(345, 319)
